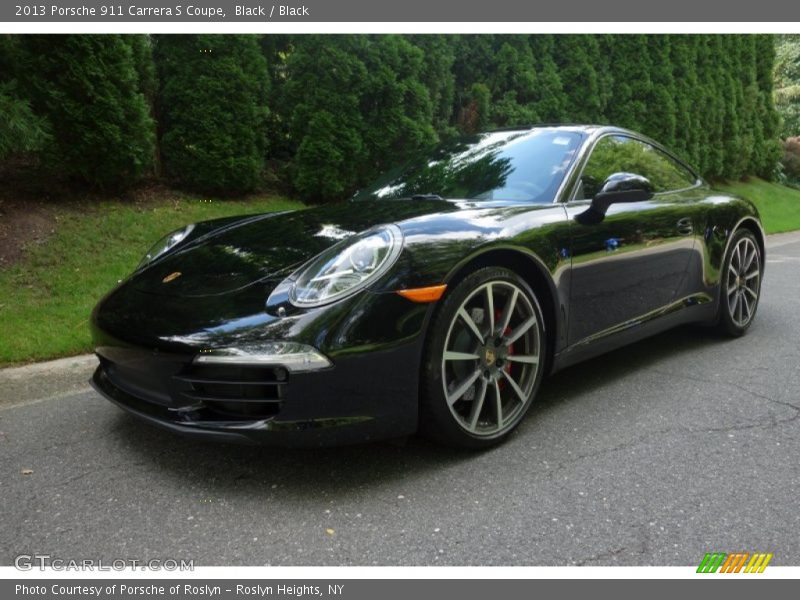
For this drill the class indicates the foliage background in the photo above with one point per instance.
(97, 132)
(316, 116)
(787, 102)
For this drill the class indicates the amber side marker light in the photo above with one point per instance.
(426, 294)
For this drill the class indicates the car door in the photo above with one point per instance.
(633, 262)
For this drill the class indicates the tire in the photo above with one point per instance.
(475, 395)
(740, 284)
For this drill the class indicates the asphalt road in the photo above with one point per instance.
(653, 455)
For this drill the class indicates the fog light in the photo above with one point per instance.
(292, 356)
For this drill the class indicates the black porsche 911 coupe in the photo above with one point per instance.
(435, 300)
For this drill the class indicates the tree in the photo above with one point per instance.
(277, 49)
(787, 84)
(632, 89)
(360, 101)
(325, 79)
(21, 131)
(438, 76)
(323, 163)
(765, 160)
(142, 49)
(474, 113)
(714, 103)
(576, 57)
(212, 105)
(395, 103)
(472, 70)
(735, 154)
(683, 54)
(550, 100)
(87, 88)
(513, 84)
(660, 120)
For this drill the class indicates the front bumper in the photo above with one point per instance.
(364, 398)
(149, 347)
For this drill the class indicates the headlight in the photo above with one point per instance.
(347, 267)
(165, 244)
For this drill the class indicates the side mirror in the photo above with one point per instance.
(619, 187)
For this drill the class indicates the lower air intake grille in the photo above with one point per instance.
(234, 391)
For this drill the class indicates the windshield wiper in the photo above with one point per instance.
(426, 197)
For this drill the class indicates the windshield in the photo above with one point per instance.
(525, 166)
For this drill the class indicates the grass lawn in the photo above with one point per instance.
(46, 298)
(779, 205)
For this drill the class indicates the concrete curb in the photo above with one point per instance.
(46, 379)
(777, 240)
(67, 375)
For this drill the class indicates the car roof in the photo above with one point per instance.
(576, 127)
(594, 131)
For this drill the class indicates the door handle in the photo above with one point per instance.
(685, 226)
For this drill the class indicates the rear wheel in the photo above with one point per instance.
(740, 284)
(483, 361)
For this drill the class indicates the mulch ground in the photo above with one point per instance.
(31, 202)
(27, 214)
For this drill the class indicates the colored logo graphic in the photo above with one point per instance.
(736, 562)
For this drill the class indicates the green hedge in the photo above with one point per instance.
(212, 111)
(323, 114)
(85, 89)
(709, 97)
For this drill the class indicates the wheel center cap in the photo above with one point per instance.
(490, 357)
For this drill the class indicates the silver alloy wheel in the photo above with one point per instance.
(491, 358)
(743, 281)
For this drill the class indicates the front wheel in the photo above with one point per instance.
(483, 361)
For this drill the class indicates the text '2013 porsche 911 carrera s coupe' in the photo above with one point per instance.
(435, 300)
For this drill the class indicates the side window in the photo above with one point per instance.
(616, 154)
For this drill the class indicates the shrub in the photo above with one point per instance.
(212, 108)
(21, 131)
(790, 160)
(87, 88)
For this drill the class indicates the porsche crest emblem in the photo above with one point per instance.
(171, 277)
(490, 357)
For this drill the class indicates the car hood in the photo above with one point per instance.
(235, 254)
